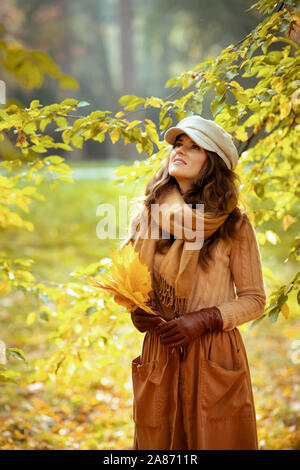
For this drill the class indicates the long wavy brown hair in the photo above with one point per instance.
(214, 187)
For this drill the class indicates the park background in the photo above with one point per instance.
(78, 395)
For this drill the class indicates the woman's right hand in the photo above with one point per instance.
(144, 321)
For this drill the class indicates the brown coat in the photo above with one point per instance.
(203, 399)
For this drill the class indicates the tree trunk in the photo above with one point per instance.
(128, 82)
(126, 46)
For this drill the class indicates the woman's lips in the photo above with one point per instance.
(178, 161)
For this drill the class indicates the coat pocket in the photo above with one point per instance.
(224, 393)
(146, 393)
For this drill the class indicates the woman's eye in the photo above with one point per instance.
(178, 144)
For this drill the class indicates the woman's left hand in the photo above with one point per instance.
(189, 326)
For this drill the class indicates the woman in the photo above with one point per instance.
(191, 383)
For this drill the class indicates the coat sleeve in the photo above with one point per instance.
(246, 271)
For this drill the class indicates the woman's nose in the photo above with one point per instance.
(180, 150)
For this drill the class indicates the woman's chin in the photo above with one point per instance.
(177, 171)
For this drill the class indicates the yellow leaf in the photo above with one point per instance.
(235, 84)
(287, 221)
(5, 287)
(151, 131)
(241, 134)
(25, 275)
(154, 101)
(133, 124)
(285, 108)
(185, 82)
(114, 135)
(285, 310)
(278, 84)
(39, 179)
(31, 317)
(121, 300)
(66, 81)
(127, 279)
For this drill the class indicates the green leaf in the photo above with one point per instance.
(151, 131)
(218, 104)
(44, 123)
(162, 113)
(282, 300)
(35, 104)
(90, 311)
(44, 315)
(175, 81)
(66, 179)
(231, 74)
(166, 123)
(273, 314)
(259, 189)
(68, 102)
(8, 375)
(63, 146)
(30, 74)
(45, 63)
(131, 102)
(31, 317)
(256, 322)
(61, 168)
(66, 81)
(180, 114)
(38, 149)
(241, 97)
(44, 297)
(30, 128)
(16, 353)
(54, 159)
(81, 104)
(61, 122)
(77, 141)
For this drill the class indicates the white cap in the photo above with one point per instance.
(208, 135)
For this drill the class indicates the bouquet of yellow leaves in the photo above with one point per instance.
(127, 279)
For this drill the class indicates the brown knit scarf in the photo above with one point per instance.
(174, 280)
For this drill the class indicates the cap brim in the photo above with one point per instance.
(172, 133)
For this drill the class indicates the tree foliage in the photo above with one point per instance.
(263, 120)
(29, 67)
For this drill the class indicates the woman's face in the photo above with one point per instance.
(186, 160)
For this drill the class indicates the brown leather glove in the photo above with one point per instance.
(189, 326)
(144, 321)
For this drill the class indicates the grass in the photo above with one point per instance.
(65, 239)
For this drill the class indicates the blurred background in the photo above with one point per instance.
(118, 47)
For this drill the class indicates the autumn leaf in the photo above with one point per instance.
(285, 310)
(127, 279)
(288, 220)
